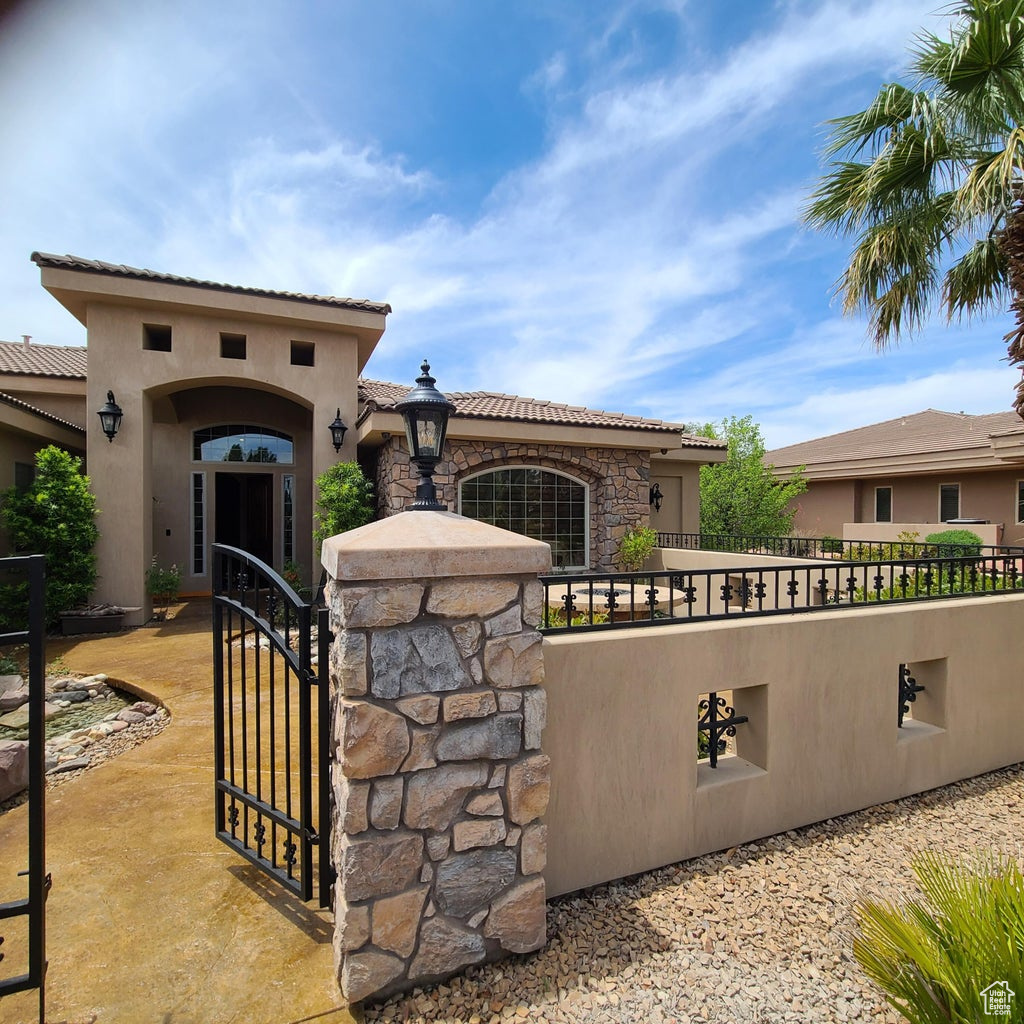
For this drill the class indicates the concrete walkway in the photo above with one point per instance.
(151, 918)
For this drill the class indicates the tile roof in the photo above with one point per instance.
(17, 403)
(488, 405)
(922, 433)
(43, 360)
(46, 259)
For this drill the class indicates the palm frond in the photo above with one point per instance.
(934, 957)
(976, 283)
(892, 106)
(990, 186)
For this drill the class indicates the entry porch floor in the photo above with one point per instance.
(151, 918)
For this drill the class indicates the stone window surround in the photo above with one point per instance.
(618, 481)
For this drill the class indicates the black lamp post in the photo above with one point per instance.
(110, 417)
(338, 429)
(425, 411)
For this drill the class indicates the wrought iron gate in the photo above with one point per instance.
(26, 576)
(271, 736)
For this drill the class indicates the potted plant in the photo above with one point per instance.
(163, 585)
(92, 618)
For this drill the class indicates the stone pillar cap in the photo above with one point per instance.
(418, 545)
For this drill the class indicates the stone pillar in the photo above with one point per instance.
(438, 776)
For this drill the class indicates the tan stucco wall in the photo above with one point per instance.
(626, 791)
(823, 508)
(151, 456)
(990, 533)
(680, 506)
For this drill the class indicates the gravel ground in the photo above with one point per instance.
(758, 934)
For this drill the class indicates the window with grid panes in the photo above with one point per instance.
(537, 503)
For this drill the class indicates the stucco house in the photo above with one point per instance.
(913, 472)
(228, 393)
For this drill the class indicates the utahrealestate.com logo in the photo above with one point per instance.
(998, 999)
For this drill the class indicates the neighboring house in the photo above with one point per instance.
(42, 401)
(228, 393)
(928, 468)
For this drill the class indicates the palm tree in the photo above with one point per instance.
(929, 180)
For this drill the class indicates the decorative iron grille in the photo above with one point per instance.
(718, 721)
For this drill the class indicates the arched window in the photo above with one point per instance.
(538, 503)
(236, 442)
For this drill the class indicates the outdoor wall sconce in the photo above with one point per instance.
(656, 497)
(337, 429)
(425, 411)
(110, 417)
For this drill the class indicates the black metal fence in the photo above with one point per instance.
(271, 735)
(829, 547)
(595, 601)
(25, 576)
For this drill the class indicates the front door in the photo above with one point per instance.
(245, 513)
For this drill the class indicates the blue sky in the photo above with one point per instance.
(590, 202)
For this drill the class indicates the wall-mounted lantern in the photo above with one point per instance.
(110, 417)
(656, 497)
(425, 411)
(337, 429)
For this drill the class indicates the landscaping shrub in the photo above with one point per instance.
(636, 547)
(935, 957)
(344, 501)
(934, 578)
(955, 543)
(554, 618)
(831, 545)
(55, 516)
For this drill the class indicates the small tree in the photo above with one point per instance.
(344, 501)
(741, 497)
(55, 516)
(636, 547)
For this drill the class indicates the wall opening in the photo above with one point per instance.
(156, 337)
(232, 346)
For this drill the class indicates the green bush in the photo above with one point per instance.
(344, 501)
(636, 547)
(55, 516)
(935, 957)
(955, 543)
(831, 545)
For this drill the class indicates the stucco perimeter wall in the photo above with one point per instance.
(686, 559)
(618, 481)
(820, 690)
(990, 533)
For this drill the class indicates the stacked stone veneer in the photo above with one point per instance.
(618, 480)
(439, 779)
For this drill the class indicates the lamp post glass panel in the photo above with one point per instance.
(425, 411)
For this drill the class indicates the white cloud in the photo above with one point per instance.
(646, 260)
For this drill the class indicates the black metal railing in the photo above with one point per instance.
(829, 547)
(668, 597)
(29, 588)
